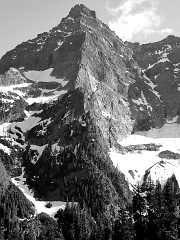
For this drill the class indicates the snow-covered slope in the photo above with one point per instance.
(40, 206)
(44, 76)
(72, 92)
(138, 165)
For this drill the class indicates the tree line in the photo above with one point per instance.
(153, 214)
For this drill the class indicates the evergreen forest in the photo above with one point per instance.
(153, 214)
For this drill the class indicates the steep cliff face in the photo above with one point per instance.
(159, 63)
(88, 65)
(77, 90)
(83, 52)
(94, 112)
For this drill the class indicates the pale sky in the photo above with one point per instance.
(133, 20)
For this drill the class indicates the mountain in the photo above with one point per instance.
(13, 204)
(66, 140)
(159, 63)
(72, 96)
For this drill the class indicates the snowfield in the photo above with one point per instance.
(36, 76)
(44, 76)
(43, 99)
(15, 88)
(19, 181)
(40, 206)
(5, 149)
(134, 165)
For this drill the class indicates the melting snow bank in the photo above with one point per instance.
(40, 206)
(136, 165)
(5, 149)
(3, 128)
(44, 76)
(168, 130)
(25, 125)
(44, 99)
(133, 165)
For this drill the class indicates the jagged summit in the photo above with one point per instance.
(38, 53)
(78, 16)
(105, 89)
(170, 38)
(70, 97)
(80, 9)
(88, 64)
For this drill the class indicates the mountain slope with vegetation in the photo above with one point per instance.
(69, 99)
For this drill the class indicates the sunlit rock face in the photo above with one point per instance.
(160, 65)
(84, 52)
(76, 91)
(77, 76)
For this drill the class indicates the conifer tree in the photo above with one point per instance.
(123, 225)
(139, 214)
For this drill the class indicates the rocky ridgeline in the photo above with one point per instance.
(113, 89)
(12, 107)
(137, 148)
(136, 78)
(84, 51)
(160, 66)
(140, 147)
(169, 155)
(12, 77)
(86, 120)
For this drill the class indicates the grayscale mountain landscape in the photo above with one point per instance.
(89, 135)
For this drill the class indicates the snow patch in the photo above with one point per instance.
(5, 149)
(39, 149)
(3, 129)
(25, 125)
(56, 147)
(173, 120)
(44, 76)
(43, 99)
(152, 85)
(40, 206)
(13, 89)
(94, 83)
(7, 100)
(59, 44)
(134, 164)
(142, 101)
(107, 115)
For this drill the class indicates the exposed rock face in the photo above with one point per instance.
(85, 121)
(107, 89)
(83, 48)
(85, 52)
(169, 155)
(11, 77)
(159, 63)
(12, 107)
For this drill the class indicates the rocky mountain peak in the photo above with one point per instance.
(11, 77)
(81, 9)
(70, 100)
(78, 16)
(170, 39)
